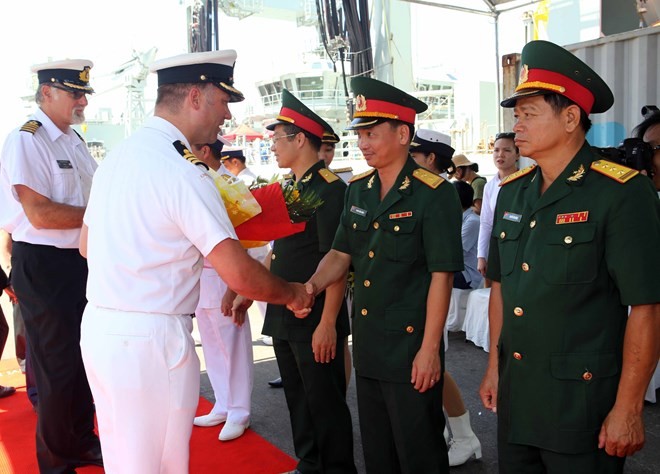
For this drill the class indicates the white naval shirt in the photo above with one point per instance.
(56, 165)
(152, 216)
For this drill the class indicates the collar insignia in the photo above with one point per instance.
(306, 179)
(577, 175)
(370, 183)
(405, 184)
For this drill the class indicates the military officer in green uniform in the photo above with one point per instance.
(311, 366)
(575, 244)
(401, 230)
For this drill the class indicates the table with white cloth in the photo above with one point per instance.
(457, 308)
(476, 318)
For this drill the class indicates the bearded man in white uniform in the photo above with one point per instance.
(46, 175)
(152, 218)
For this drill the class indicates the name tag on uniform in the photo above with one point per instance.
(401, 215)
(64, 164)
(358, 211)
(572, 217)
(510, 216)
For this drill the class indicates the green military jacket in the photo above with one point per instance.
(296, 257)
(570, 262)
(394, 246)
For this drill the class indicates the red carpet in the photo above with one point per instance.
(249, 454)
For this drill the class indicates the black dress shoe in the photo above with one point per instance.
(6, 391)
(90, 457)
(277, 383)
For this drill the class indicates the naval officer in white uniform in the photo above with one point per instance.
(153, 216)
(226, 341)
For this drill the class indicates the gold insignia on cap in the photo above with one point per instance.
(84, 75)
(360, 103)
(614, 171)
(405, 184)
(578, 174)
(524, 72)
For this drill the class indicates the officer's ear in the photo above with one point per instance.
(571, 115)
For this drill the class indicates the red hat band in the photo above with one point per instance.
(382, 109)
(549, 80)
(298, 119)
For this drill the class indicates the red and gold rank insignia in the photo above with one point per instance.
(572, 217)
(360, 103)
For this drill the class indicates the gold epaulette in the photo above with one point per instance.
(518, 174)
(188, 155)
(614, 171)
(358, 177)
(432, 180)
(348, 169)
(31, 126)
(328, 175)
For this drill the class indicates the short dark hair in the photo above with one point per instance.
(465, 193)
(395, 123)
(559, 102)
(507, 136)
(648, 122)
(291, 129)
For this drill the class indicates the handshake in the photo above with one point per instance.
(302, 299)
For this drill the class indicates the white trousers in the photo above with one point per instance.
(227, 352)
(144, 375)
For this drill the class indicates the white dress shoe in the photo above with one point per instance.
(232, 431)
(211, 419)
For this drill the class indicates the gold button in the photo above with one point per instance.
(502, 235)
(587, 376)
(517, 355)
(532, 224)
(410, 329)
(518, 311)
(354, 225)
(568, 239)
(376, 225)
(371, 254)
(525, 267)
(364, 311)
(272, 257)
(397, 228)
(367, 283)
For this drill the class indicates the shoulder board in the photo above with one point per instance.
(31, 126)
(518, 174)
(614, 171)
(432, 180)
(358, 177)
(348, 169)
(328, 175)
(187, 154)
(79, 135)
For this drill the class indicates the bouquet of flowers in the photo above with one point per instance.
(283, 210)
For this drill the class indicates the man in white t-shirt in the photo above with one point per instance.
(152, 218)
